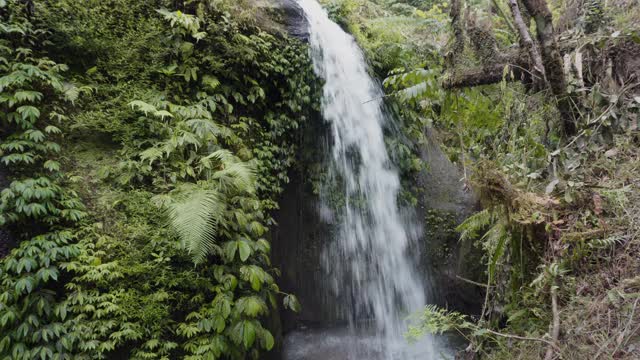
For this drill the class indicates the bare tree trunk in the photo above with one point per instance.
(526, 42)
(458, 32)
(545, 59)
(552, 60)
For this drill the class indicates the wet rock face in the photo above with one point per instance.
(285, 15)
(300, 236)
(294, 18)
(443, 204)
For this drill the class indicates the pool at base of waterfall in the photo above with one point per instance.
(342, 343)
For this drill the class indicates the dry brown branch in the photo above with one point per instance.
(555, 327)
(472, 282)
(517, 337)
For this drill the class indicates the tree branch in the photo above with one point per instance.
(552, 60)
(526, 42)
(517, 337)
(555, 327)
(496, 4)
(472, 282)
(486, 75)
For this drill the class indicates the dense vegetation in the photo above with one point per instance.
(551, 152)
(144, 145)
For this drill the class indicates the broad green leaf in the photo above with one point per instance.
(52, 165)
(244, 249)
(244, 332)
(291, 302)
(251, 306)
(30, 96)
(230, 249)
(267, 340)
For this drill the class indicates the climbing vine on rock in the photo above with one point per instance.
(36, 207)
(171, 258)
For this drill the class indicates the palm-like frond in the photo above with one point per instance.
(204, 127)
(495, 241)
(413, 86)
(233, 174)
(474, 224)
(237, 176)
(194, 213)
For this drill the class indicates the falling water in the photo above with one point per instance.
(368, 265)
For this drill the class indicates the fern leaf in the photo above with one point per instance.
(152, 154)
(233, 174)
(496, 240)
(474, 224)
(607, 243)
(194, 214)
(143, 106)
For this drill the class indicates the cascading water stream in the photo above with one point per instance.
(368, 265)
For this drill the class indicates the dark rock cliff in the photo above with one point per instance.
(300, 237)
(283, 15)
(444, 202)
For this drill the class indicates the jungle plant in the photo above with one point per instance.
(36, 206)
(182, 268)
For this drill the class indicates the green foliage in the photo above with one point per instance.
(393, 34)
(198, 113)
(473, 226)
(35, 206)
(435, 320)
(195, 218)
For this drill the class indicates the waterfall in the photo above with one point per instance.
(367, 265)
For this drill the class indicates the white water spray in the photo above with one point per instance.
(368, 264)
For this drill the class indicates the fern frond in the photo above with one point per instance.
(238, 176)
(474, 224)
(194, 213)
(495, 241)
(151, 154)
(414, 92)
(414, 85)
(607, 243)
(142, 106)
(204, 127)
(233, 174)
(436, 320)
